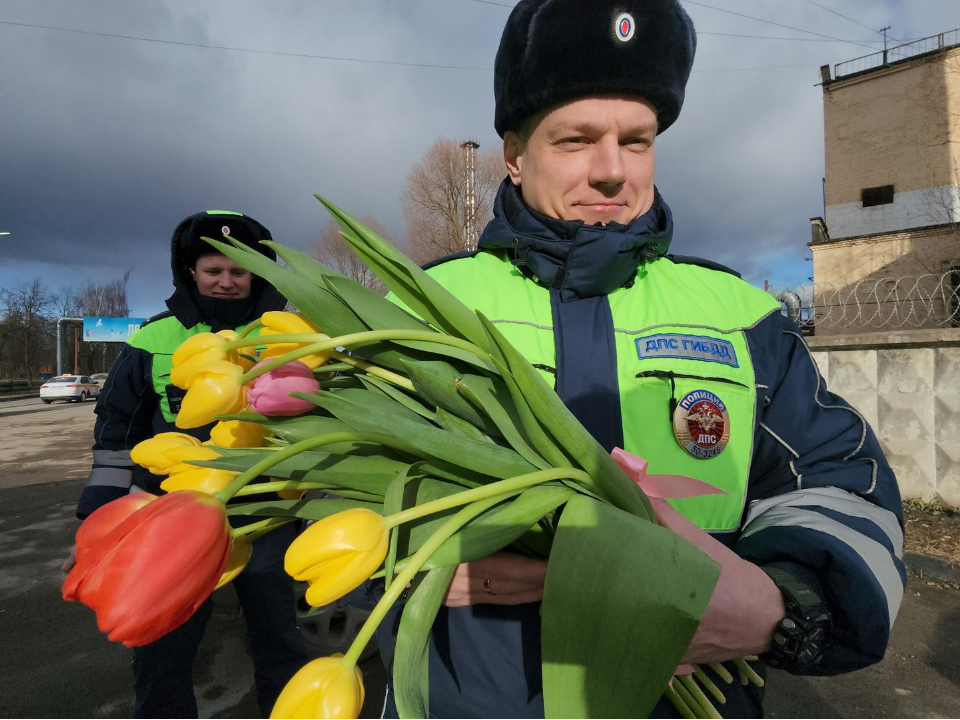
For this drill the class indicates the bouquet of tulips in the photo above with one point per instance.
(439, 444)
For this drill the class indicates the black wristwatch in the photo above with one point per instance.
(802, 636)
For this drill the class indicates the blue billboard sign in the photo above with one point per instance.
(110, 329)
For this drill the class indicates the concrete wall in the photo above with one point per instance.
(907, 385)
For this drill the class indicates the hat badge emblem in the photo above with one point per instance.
(624, 27)
(225, 230)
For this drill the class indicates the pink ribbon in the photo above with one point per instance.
(663, 487)
(666, 487)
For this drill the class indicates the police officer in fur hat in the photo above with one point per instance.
(674, 359)
(211, 293)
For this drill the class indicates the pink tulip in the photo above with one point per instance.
(270, 393)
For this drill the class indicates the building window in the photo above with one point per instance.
(871, 197)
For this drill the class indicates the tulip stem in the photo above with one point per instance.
(318, 342)
(278, 485)
(257, 529)
(679, 704)
(382, 373)
(709, 684)
(748, 672)
(250, 328)
(275, 458)
(274, 339)
(698, 695)
(415, 562)
(333, 368)
(510, 485)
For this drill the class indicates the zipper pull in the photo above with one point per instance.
(673, 396)
(665, 375)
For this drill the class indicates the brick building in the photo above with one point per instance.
(892, 186)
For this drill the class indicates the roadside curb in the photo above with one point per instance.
(20, 396)
(932, 568)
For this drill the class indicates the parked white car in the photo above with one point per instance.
(73, 388)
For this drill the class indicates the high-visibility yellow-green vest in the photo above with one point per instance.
(679, 329)
(160, 338)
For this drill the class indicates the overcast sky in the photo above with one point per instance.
(107, 142)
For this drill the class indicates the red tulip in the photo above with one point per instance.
(105, 518)
(152, 571)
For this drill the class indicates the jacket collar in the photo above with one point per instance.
(579, 260)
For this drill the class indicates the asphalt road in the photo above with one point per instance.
(43, 443)
(55, 663)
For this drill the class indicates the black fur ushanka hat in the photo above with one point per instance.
(554, 51)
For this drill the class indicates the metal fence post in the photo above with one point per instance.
(60, 322)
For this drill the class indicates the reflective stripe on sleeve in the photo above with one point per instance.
(110, 477)
(112, 458)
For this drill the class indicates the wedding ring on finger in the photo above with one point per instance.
(486, 586)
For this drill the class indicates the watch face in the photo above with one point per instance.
(800, 638)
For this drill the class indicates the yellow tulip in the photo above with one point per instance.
(337, 554)
(200, 479)
(291, 494)
(152, 453)
(235, 355)
(240, 551)
(215, 391)
(188, 454)
(288, 494)
(238, 434)
(194, 355)
(323, 688)
(184, 476)
(275, 323)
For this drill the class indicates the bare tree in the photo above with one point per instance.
(64, 303)
(105, 299)
(28, 325)
(27, 335)
(435, 198)
(331, 249)
(941, 204)
(102, 300)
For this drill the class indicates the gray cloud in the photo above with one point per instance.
(106, 143)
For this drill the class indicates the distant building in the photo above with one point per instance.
(892, 183)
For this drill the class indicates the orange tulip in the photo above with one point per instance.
(105, 518)
(152, 571)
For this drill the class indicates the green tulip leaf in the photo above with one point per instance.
(411, 683)
(622, 600)
(392, 391)
(304, 509)
(436, 382)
